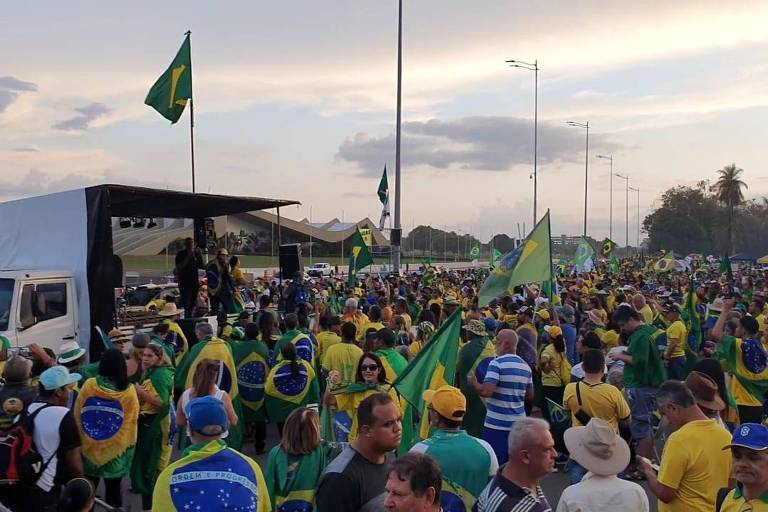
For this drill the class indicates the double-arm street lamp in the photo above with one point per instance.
(533, 66)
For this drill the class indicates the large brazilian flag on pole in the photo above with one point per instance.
(530, 262)
(170, 92)
(433, 367)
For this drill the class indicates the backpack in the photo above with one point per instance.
(19, 458)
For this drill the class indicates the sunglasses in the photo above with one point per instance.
(369, 367)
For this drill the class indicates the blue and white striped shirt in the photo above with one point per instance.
(512, 377)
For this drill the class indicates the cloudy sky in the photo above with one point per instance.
(296, 100)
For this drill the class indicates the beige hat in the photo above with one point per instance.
(595, 318)
(704, 390)
(598, 448)
(117, 335)
(169, 309)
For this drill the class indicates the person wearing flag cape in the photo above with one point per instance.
(475, 355)
(295, 465)
(106, 413)
(251, 360)
(211, 347)
(155, 425)
(291, 383)
(370, 378)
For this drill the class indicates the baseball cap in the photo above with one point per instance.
(553, 330)
(207, 416)
(57, 377)
(750, 435)
(543, 314)
(448, 401)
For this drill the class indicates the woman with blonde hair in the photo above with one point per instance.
(295, 465)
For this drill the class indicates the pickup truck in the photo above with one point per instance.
(320, 270)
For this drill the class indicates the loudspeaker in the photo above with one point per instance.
(290, 260)
(205, 234)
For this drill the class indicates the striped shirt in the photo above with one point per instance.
(512, 377)
(503, 495)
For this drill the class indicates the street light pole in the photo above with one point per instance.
(626, 219)
(535, 68)
(638, 216)
(395, 234)
(586, 166)
(610, 196)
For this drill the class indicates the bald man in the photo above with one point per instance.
(507, 384)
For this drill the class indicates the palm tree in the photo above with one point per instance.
(729, 191)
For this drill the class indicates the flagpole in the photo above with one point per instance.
(191, 119)
(395, 234)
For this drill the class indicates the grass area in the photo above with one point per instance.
(159, 264)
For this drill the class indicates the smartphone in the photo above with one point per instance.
(654, 466)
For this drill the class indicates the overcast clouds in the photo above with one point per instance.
(296, 100)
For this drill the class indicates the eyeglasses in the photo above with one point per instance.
(369, 367)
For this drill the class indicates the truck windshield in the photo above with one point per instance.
(6, 293)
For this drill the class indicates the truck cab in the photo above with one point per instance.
(38, 306)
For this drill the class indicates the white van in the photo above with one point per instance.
(39, 306)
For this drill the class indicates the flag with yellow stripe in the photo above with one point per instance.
(433, 367)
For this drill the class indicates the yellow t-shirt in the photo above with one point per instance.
(601, 400)
(677, 331)
(761, 322)
(359, 319)
(695, 464)
(364, 328)
(647, 314)
(736, 502)
(343, 357)
(552, 377)
(415, 347)
(325, 339)
(349, 402)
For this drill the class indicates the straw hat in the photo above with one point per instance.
(116, 335)
(595, 318)
(598, 448)
(169, 309)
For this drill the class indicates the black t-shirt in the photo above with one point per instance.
(351, 483)
(14, 398)
(186, 269)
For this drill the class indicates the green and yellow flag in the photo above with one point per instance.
(607, 247)
(107, 420)
(665, 264)
(495, 256)
(530, 262)
(359, 257)
(170, 92)
(474, 253)
(433, 367)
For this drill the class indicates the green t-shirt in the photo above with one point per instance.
(646, 370)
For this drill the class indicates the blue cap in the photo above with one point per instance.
(750, 435)
(490, 324)
(207, 416)
(57, 377)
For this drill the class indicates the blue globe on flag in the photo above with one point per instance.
(482, 368)
(101, 418)
(195, 487)
(451, 502)
(250, 380)
(295, 506)
(289, 385)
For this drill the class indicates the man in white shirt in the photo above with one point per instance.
(604, 454)
(56, 437)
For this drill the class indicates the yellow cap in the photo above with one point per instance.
(448, 401)
(553, 331)
(543, 314)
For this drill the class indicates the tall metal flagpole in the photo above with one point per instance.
(395, 233)
(191, 120)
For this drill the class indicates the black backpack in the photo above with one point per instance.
(19, 459)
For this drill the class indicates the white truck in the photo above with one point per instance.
(38, 306)
(320, 270)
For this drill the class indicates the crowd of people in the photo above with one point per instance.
(633, 383)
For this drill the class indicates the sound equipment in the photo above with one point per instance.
(290, 260)
(205, 234)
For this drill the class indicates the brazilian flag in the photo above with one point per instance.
(170, 92)
(359, 257)
(433, 367)
(607, 247)
(107, 420)
(252, 368)
(665, 264)
(285, 391)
